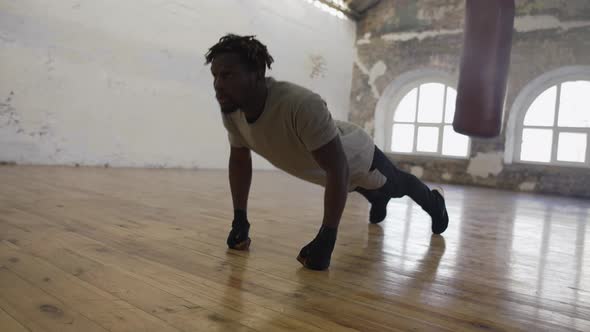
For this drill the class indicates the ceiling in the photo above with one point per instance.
(359, 7)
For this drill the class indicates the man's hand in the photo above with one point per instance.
(317, 254)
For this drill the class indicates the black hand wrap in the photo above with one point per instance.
(317, 254)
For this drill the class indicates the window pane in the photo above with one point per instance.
(450, 107)
(427, 139)
(454, 144)
(571, 147)
(574, 109)
(542, 110)
(402, 138)
(406, 110)
(536, 145)
(430, 106)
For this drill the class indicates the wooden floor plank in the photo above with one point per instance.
(37, 310)
(482, 309)
(166, 258)
(9, 324)
(99, 306)
(132, 293)
(508, 261)
(199, 293)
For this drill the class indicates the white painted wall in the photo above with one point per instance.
(123, 82)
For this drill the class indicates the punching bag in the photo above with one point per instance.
(484, 67)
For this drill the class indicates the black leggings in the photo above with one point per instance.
(398, 184)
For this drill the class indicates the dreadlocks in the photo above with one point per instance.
(252, 52)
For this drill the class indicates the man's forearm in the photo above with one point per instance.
(335, 196)
(240, 178)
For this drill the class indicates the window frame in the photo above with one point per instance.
(521, 106)
(389, 117)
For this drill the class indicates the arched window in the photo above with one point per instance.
(422, 122)
(554, 122)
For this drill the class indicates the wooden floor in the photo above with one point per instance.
(85, 249)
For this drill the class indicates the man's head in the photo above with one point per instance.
(238, 65)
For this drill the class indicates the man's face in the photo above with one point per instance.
(233, 82)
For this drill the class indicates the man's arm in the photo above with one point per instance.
(332, 160)
(240, 176)
(240, 165)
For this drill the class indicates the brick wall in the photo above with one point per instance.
(408, 35)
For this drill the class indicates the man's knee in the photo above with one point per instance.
(398, 186)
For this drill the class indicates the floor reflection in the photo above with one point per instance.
(531, 249)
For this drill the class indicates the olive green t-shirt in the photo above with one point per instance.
(296, 121)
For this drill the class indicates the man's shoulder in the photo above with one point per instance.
(292, 93)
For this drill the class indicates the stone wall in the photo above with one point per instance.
(400, 36)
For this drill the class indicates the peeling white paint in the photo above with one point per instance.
(545, 22)
(417, 171)
(435, 13)
(405, 36)
(486, 164)
(447, 176)
(526, 23)
(360, 64)
(378, 70)
(365, 40)
(122, 83)
(527, 186)
(316, 65)
(369, 125)
(359, 97)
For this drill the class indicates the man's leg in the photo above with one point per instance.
(378, 199)
(399, 184)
